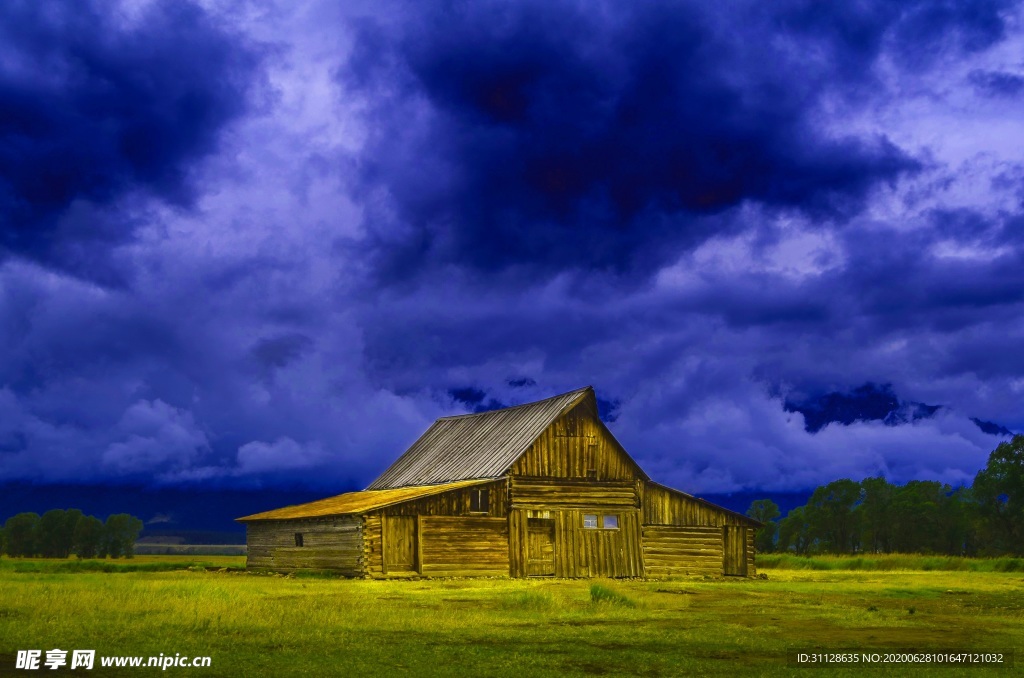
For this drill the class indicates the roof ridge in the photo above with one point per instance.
(513, 407)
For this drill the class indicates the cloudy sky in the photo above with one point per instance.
(252, 244)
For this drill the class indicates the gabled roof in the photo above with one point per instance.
(357, 502)
(476, 446)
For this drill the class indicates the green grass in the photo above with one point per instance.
(600, 593)
(136, 564)
(890, 562)
(260, 625)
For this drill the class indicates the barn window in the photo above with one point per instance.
(594, 522)
(591, 474)
(479, 501)
(298, 539)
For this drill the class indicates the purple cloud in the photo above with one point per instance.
(344, 223)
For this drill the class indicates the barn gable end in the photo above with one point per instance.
(577, 445)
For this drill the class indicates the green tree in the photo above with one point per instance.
(49, 531)
(916, 516)
(999, 495)
(119, 535)
(876, 515)
(21, 534)
(832, 516)
(765, 511)
(57, 531)
(67, 533)
(88, 537)
(957, 534)
(795, 531)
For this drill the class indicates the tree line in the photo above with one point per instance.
(59, 533)
(985, 518)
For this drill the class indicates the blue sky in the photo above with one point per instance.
(261, 244)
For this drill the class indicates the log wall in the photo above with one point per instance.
(541, 493)
(455, 546)
(373, 545)
(751, 570)
(671, 550)
(328, 543)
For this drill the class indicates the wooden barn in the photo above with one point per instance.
(537, 490)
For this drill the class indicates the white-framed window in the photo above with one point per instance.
(590, 521)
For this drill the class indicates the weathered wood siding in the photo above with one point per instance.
(665, 507)
(751, 570)
(541, 493)
(682, 550)
(373, 545)
(734, 550)
(458, 546)
(577, 551)
(574, 444)
(455, 503)
(327, 543)
(401, 547)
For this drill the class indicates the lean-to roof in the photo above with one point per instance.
(357, 502)
(481, 445)
(716, 507)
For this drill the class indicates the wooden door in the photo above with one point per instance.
(540, 547)
(734, 550)
(399, 543)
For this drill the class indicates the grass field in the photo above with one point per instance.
(260, 625)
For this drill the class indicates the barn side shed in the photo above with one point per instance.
(537, 490)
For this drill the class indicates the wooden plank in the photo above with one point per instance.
(576, 443)
(328, 543)
(464, 544)
(419, 544)
(735, 552)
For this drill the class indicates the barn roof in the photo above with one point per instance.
(358, 502)
(481, 445)
(748, 519)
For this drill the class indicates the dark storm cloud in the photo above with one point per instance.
(96, 103)
(916, 32)
(807, 196)
(897, 278)
(560, 134)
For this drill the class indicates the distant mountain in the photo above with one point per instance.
(870, 402)
(991, 428)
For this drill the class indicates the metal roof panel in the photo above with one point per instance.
(480, 445)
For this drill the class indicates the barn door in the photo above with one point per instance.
(540, 547)
(735, 550)
(399, 543)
